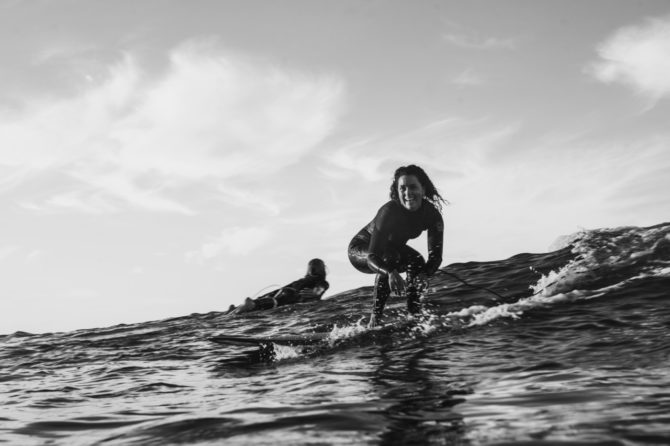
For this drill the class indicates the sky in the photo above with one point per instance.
(160, 158)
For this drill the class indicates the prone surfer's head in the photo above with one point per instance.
(430, 191)
(316, 267)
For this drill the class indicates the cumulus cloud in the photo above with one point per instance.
(211, 116)
(637, 56)
(235, 241)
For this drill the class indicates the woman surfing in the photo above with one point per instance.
(381, 246)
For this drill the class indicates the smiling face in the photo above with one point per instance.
(410, 192)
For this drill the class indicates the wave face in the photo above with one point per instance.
(570, 346)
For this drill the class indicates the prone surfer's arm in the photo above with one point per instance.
(315, 293)
(275, 298)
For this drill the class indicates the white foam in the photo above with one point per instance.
(286, 352)
(346, 331)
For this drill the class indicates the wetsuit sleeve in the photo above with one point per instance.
(435, 241)
(378, 240)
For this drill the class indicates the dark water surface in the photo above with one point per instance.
(575, 351)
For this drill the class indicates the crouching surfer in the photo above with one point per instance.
(381, 246)
(309, 288)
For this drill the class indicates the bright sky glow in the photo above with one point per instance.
(159, 158)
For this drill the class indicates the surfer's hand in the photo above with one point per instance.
(309, 294)
(396, 283)
(421, 281)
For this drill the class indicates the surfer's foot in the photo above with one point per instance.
(230, 310)
(373, 321)
(248, 305)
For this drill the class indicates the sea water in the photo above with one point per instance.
(566, 347)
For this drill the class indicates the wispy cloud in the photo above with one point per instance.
(355, 158)
(452, 146)
(222, 116)
(234, 241)
(258, 199)
(469, 78)
(6, 251)
(78, 201)
(637, 56)
(32, 256)
(464, 37)
(211, 116)
(63, 51)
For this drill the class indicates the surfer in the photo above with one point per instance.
(381, 246)
(309, 288)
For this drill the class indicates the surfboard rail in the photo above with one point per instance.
(288, 339)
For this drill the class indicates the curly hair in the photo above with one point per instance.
(432, 195)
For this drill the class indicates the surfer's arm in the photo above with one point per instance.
(315, 291)
(435, 242)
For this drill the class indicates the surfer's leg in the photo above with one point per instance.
(381, 294)
(358, 253)
(413, 263)
(286, 296)
(248, 305)
(264, 303)
(358, 256)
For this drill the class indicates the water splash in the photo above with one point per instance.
(283, 352)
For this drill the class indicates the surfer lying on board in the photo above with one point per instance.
(381, 246)
(309, 288)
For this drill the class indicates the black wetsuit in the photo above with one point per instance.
(290, 294)
(381, 247)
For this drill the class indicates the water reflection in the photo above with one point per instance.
(420, 409)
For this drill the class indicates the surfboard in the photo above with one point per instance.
(289, 339)
(391, 325)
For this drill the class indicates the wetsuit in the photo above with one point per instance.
(381, 247)
(290, 294)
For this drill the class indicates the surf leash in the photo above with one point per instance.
(490, 290)
(263, 289)
(473, 286)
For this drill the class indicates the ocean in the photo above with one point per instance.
(567, 347)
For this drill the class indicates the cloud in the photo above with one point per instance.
(479, 43)
(222, 116)
(357, 159)
(469, 78)
(211, 116)
(468, 38)
(452, 146)
(6, 251)
(265, 201)
(236, 241)
(32, 256)
(637, 56)
(63, 51)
